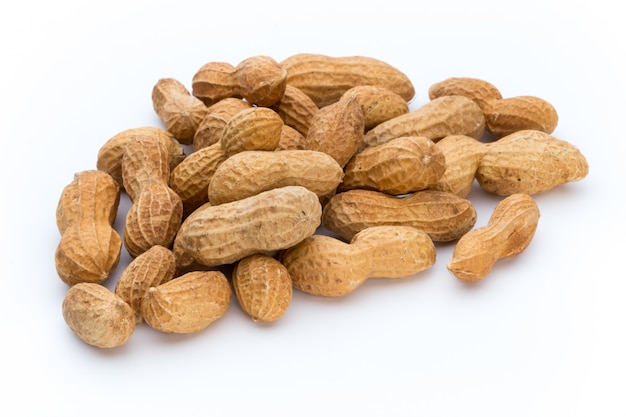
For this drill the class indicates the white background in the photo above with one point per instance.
(542, 335)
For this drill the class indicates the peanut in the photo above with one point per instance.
(290, 139)
(296, 109)
(187, 304)
(156, 212)
(257, 128)
(212, 126)
(251, 172)
(400, 166)
(97, 316)
(258, 79)
(155, 266)
(323, 265)
(529, 162)
(508, 233)
(481, 92)
(443, 116)
(90, 247)
(111, 153)
(379, 104)
(178, 109)
(325, 79)
(509, 115)
(443, 216)
(267, 222)
(262, 287)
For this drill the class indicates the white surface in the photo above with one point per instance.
(542, 335)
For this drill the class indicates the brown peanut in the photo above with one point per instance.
(90, 247)
(378, 104)
(296, 109)
(178, 109)
(258, 79)
(187, 304)
(323, 265)
(212, 126)
(509, 115)
(257, 128)
(155, 266)
(97, 316)
(267, 222)
(290, 140)
(481, 92)
(441, 117)
(156, 212)
(400, 166)
(325, 79)
(508, 233)
(443, 216)
(249, 173)
(529, 162)
(262, 287)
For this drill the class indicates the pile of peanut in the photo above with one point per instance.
(311, 173)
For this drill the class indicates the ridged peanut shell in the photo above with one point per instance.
(260, 80)
(97, 316)
(213, 82)
(400, 166)
(212, 126)
(291, 139)
(443, 216)
(379, 104)
(296, 109)
(481, 92)
(509, 115)
(249, 173)
(325, 79)
(529, 162)
(187, 304)
(263, 287)
(462, 155)
(257, 128)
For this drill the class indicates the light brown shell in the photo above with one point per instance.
(529, 162)
(97, 316)
(443, 216)
(257, 128)
(378, 104)
(480, 91)
(508, 233)
(325, 79)
(400, 166)
(187, 304)
(249, 173)
(290, 139)
(296, 109)
(263, 287)
(462, 154)
(212, 126)
(509, 115)
(89, 249)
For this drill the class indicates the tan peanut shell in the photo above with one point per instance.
(249, 173)
(462, 154)
(378, 104)
(481, 92)
(337, 130)
(212, 126)
(191, 178)
(529, 162)
(290, 139)
(443, 216)
(111, 153)
(267, 222)
(259, 79)
(509, 115)
(150, 269)
(156, 210)
(90, 247)
(296, 109)
(441, 117)
(97, 316)
(257, 128)
(323, 265)
(178, 109)
(187, 304)
(325, 79)
(509, 232)
(262, 286)
(400, 166)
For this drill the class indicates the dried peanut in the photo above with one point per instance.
(267, 222)
(379, 104)
(323, 265)
(402, 165)
(212, 126)
(441, 117)
(111, 153)
(90, 247)
(257, 128)
(178, 109)
(155, 266)
(156, 212)
(325, 79)
(290, 139)
(462, 155)
(296, 109)
(509, 115)
(529, 162)
(262, 287)
(187, 304)
(481, 92)
(97, 316)
(508, 233)
(258, 79)
(443, 216)
(251, 172)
